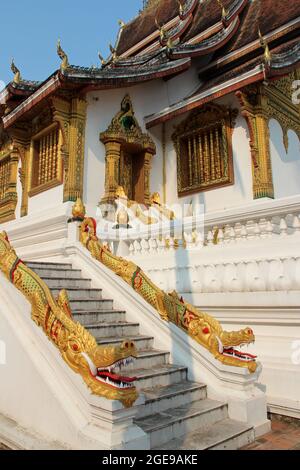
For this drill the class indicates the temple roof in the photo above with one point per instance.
(164, 40)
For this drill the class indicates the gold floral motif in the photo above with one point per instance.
(76, 345)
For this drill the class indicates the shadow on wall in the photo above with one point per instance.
(285, 165)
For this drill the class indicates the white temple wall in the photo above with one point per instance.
(285, 165)
(147, 99)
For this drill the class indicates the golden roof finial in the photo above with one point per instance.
(102, 60)
(121, 24)
(63, 56)
(264, 44)
(17, 74)
(224, 10)
(161, 29)
(180, 7)
(113, 53)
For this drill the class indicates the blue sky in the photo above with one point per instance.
(30, 29)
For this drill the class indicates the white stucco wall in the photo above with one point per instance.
(285, 166)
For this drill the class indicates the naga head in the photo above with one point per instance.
(226, 346)
(100, 366)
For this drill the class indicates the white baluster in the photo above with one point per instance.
(283, 228)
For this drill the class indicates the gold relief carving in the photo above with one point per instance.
(279, 105)
(203, 144)
(77, 347)
(73, 188)
(126, 145)
(45, 164)
(260, 103)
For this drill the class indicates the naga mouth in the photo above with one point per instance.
(241, 355)
(230, 351)
(107, 376)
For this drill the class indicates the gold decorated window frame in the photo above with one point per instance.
(9, 197)
(35, 189)
(199, 123)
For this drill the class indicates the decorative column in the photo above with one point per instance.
(74, 167)
(112, 158)
(147, 171)
(254, 109)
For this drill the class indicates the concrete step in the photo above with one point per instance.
(147, 360)
(91, 304)
(36, 264)
(177, 422)
(80, 294)
(159, 399)
(164, 375)
(99, 316)
(224, 435)
(59, 283)
(58, 273)
(102, 330)
(142, 342)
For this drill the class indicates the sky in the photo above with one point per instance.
(30, 29)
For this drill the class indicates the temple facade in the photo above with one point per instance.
(179, 155)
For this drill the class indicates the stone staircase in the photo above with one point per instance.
(177, 413)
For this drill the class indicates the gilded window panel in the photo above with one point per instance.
(46, 166)
(203, 144)
(8, 186)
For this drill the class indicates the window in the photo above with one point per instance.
(4, 177)
(46, 167)
(203, 145)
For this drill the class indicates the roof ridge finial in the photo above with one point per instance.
(17, 74)
(63, 56)
(264, 44)
(161, 29)
(224, 10)
(180, 7)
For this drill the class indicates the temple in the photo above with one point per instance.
(150, 219)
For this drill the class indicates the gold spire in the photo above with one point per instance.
(113, 53)
(265, 46)
(161, 29)
(224, 10)
(78, 210)
(17, 74)
(63, 56)
(103, 62)
(180, 7)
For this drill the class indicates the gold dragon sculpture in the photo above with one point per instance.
(200, 326)
(78, 348)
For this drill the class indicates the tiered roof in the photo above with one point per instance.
(164, 40)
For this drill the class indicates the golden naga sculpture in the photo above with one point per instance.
(201, 327)
(76, 345)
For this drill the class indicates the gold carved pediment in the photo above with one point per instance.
(124, 128)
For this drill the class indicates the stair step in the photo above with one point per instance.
(224, 435)
(177, 422)
(58, 273)
(102, 330)
(37, 264)
(61, 283)
(99, 316)
(141, 342)
(148, 359)
(163, 375)
(75, 293)
(159, 399)
(91, 304)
